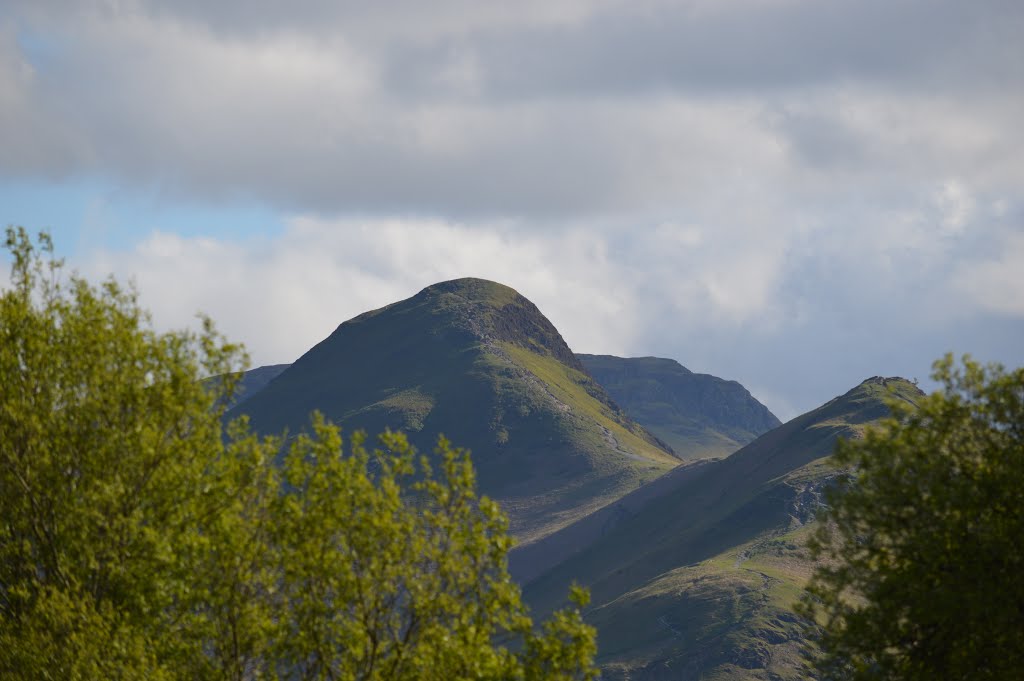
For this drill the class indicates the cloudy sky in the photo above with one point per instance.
(797, 194)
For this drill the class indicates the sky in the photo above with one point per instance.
(795, 194)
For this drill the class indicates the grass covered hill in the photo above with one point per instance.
(698, 415)
(478, 362)
(699, 581)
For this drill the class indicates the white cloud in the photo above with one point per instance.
(282, 295)
(956, 204)
(996, 283)
(738, 302)
(712, 181)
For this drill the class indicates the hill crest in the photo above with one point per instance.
(480, 363)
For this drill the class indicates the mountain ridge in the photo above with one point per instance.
(693, 567)
(701, 580)
(728, 482)
(478, 361)
(698, 415)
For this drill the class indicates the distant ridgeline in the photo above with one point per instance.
(609, 469)
(698, 415)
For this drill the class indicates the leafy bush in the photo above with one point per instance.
(140, 540)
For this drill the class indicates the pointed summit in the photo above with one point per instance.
(478, 362)
(497, 313)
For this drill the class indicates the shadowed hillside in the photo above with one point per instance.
(255, 380)
(698, 415)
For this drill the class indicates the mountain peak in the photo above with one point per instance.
(474, 289)
(479, 362)
(894, 381)
(879, 388)
(494, 313)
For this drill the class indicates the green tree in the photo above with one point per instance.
(922, 551)
(138, 539)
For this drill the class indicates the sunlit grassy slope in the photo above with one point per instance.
(698, 415)
(700, 581)
(476, 361)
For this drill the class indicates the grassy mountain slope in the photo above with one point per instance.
(699, 582)
(698, 415)
(478, 362)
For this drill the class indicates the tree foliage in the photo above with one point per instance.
(139, 540)
(922, 553)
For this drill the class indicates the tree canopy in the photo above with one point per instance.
(922, 573)
(140, 539)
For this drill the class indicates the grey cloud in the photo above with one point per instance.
(378, 23)
(732, 47)
(560, 47)
(475, 109)
(821, 140)
(33, 139)
(794, 194)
